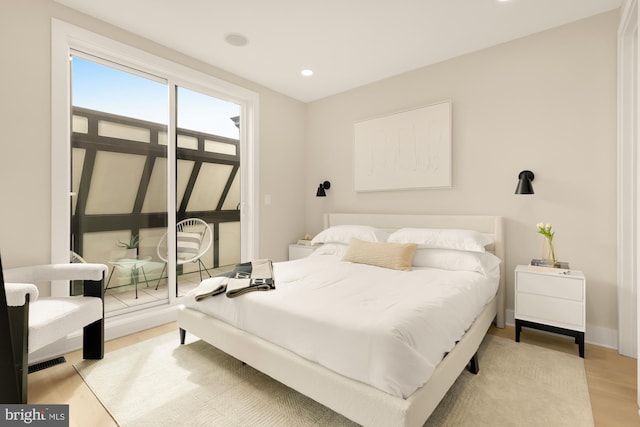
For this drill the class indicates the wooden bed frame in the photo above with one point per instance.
(357, 401)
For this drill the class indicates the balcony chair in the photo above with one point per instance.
(28, 323)
(193, 239)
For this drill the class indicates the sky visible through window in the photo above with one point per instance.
(98, 87)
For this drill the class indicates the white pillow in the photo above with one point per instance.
(485, 263)
(463, 240)
(344, 234)
(335, 249)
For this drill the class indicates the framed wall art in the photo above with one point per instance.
(405, 150)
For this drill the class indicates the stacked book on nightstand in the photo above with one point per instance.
(549, 266)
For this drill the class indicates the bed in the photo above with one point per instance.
(349, 395)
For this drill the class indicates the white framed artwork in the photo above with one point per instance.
(405, 150)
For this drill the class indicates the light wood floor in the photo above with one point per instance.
(611, 378)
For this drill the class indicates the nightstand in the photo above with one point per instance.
(552, 302)
(300, 251)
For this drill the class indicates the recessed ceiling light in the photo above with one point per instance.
(235, 39)
(307, 73)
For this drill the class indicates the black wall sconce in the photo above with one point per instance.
(323, 186)
(524, 183)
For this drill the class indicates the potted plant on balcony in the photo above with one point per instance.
(131, 247)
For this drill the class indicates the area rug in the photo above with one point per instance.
(161, 383)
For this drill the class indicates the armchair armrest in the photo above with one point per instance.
(17, 293)
(42, 273)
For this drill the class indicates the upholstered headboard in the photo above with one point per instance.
(489, 225)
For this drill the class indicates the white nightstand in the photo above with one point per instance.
(300, 251)
(552, 302)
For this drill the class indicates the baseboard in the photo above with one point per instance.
(597, 335)
(604, 337)
(128, 324)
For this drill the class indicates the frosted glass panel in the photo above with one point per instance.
(114, 183)
(184, 172)
(118, 130)
(219, 147)
(229, 243)
(80, 124)
(233, 197)
(209, 186)
(162, 138)
(103, 246)
(187, 142)
(155, 199)
(77, 162)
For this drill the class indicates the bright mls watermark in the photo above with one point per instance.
(34, 415)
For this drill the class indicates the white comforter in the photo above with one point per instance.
(383, 327)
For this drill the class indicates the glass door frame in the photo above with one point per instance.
(67, 38)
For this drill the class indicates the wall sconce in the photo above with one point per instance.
(323, 186)
(524, 183)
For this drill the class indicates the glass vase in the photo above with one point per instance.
(548, 250)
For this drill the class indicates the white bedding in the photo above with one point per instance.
(383, 327)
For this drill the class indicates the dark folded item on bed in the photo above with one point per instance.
(245, 277)
(253, 276)
(211, 287)
(237, 287)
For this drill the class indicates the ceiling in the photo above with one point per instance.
(347, 43)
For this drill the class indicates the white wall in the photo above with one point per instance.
(25, 148)
(546, 103)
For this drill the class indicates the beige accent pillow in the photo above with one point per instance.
(397, 256)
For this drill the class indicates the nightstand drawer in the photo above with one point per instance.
(549, 310)
(550, 285)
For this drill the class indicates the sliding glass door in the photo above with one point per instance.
(207, 185)
(122, 164)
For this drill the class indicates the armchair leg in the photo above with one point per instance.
(10, 391)
(93, 340)
(19, 320)
(93, 334)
